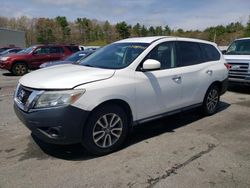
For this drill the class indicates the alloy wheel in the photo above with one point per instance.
(212, 100)
(107, 130)
(20, 69)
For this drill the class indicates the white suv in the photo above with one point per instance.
(125, 83)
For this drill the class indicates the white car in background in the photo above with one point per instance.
(238, 57)
(123, 84)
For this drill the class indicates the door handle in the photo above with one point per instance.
(209, 72)
(176, 78)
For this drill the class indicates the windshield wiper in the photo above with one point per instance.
(88, 65)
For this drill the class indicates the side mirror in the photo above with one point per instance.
(151, 64)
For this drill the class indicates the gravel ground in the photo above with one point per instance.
(184, 150)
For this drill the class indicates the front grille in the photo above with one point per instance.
(23, 94)
(239, 71)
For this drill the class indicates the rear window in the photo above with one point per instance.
(72, 48)
(210, 52)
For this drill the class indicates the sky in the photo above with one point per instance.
(185, 14)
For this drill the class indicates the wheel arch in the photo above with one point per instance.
(119, 102)
(19, 61)
(216, 83)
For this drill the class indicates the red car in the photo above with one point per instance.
(34, 56)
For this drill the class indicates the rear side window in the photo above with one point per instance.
(210, 52)
(56, 50)
(72, 48)
(188, 53)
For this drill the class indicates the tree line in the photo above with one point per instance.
(86, 31)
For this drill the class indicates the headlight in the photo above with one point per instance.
(4, 58)
(58, 98)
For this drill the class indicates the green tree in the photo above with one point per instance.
(123, 29)
(84, 26)
(63, 23)
(151, 31)
(247, 29)
(144, 31)
(167, 30)
(158, 30)
(107, 31)
(44, 32)
(137, 30)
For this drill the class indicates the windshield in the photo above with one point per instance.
(115, 56)
(239, 47)
(26, 50)
(76, 56)
(5, 52)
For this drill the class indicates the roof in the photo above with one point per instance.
(155, 38)
(247, 38)
(142, 39)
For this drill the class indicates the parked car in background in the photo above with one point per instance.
(70, 59)
(88, 47)
(238, 57)
(34, 56)
(4, 48)
(10, 51)
(132, 81)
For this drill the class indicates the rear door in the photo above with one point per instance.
(56, 53)
(197, 74)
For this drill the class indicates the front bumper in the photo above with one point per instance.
(63, 125)
(234, 81)
(5, 65)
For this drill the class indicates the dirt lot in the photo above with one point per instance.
(184, 150)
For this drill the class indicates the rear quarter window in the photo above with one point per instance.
(73, 48)
(56, 50)
(210, 52)
(188, 53)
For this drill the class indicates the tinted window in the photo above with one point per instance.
(41, 50)
(210, 52)
(56, 50)
(73, 48)
(188, 53)
(165, 54)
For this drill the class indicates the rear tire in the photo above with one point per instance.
(211, 100)
(19, 69)
(106, 130)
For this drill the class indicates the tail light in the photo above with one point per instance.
(227, 66)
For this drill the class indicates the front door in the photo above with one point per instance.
(39, 56)
(159, 91)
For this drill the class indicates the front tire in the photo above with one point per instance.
(106, 130)
(19, 69)
(211, 100)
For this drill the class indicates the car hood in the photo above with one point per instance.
(237, 58)
(15, 55)
(64, 76)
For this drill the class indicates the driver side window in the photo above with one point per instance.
(165, 54)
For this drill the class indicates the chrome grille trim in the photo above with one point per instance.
(239, 71)
(26, 104)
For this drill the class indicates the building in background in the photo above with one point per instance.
(12, 38)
